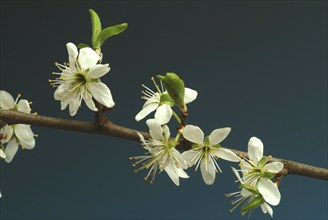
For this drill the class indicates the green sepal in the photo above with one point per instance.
(207, 141)
(250, 188)
(175, 87)
(166, 99)
(262, 162)
(109, 32)
(96, 27)
(267, 175)
(82, 45)
(254, 203)
(194, 146)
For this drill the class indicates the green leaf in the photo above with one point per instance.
(166, 99)
(82, 45)
(96, 27)
(109, 32)
(254, 203)
(175, 87)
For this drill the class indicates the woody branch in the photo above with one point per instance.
(103, 126)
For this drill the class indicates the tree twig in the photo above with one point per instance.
(111, 129)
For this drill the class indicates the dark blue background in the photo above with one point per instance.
(260, 67)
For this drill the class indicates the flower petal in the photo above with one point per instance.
(98, 70)
(7, 131)
(6, 100)
(208, 171)
(218, 135)
(193, 134)
(274, 167)
(190, 157)
(155, 129)
(73, 107)
(102, 94)
(267, 209)
(2, 154)
(190, 95)
(245, 193)
(226, 154)
(169, 169)
(88, 58)
(269, 191)
(166, 132)
(87, 97)
(146, 111)
(25, 134)
(255, 150)
(72, 54)
(163, 114)
(11, 150)
(24, 106)
(181, 161)
(181, 173)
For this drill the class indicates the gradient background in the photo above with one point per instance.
(260, 67)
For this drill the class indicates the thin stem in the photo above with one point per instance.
(111, 129)
(176, 117)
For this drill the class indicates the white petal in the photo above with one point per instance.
(146, 111)
(29, 145)
(73, 107)
(181, 161)
(207, 169)
(6, 100)
(88, 58)
(11, 150)
(154, 99)
(25, 134)
(23, 106)
(274, 167)
(189, 157)
(218, 135)
(255, 150)
(155, 129)
(166, 132)
(142, 139)
(163, 114)
(190, 95)
(7, 132)
(72, 54)
(193, 134)
(102, 94)
(98, 70)
(245, 193)
(181, 173)
(269, 191)
(226, 154)
(169, 169)
(267, 209)
(87, 97)
(2, 154)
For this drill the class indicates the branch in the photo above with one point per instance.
(108, 128)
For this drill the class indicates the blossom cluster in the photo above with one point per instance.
(79, 79)
(162, 155)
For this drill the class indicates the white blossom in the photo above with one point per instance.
(80, 80)
(161, 154)
(205, 152)
(248, 194)
(161, 102)
(15, 134)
